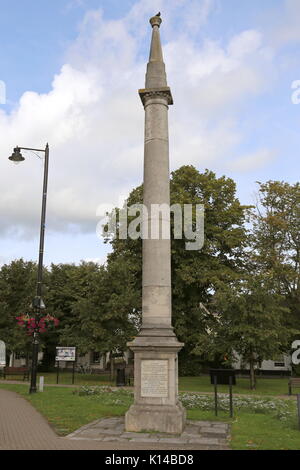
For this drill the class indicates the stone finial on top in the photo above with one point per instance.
(156, 20)
(156, 73)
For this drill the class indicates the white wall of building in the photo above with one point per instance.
(280, 364)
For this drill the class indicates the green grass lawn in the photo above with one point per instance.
(255, 431)
(263, 432)
(65, 378)
(67, 412)
(271, 387)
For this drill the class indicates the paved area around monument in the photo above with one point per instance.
(205, 433)
(23, 428)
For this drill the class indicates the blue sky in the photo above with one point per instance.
(72, 69)
(34, 38)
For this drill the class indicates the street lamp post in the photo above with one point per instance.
(37, 303)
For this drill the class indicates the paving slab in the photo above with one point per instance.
(144, 439)
(217, 432)
(171, 440)
(206, 434)
(206, 441)
(129, 435)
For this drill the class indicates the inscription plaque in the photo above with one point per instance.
(154, 378)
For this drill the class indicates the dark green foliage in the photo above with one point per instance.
(17, 289)
(195, 274)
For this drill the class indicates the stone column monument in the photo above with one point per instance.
(156, 406)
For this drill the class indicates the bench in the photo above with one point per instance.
(16, 371)
(293, 382)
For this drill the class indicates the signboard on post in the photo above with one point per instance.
(67, 354)
(2, 354)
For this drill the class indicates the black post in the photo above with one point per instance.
(34, 360)
(57, 374)
(298, 403)
(73, 373)
(230, 397)
(43, 220)
(216, 395)
(37, 304)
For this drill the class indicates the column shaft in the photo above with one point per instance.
(157, 308)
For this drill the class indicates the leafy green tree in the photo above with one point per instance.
(195, 274)
(69, 285)
(17, 289)
(91, 318)
(276, 241)
(247, 318)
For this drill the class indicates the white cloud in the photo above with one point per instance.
(195, 14)
(93, 118)
(211, 76)
(3, 260)
(99, 261)
(241, 45)
(254, 161)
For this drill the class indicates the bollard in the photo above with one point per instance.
(298, 403)
(41, 384)
(120, 382)
(216, 395)
(230, 397)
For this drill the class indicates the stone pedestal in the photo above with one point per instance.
(156, 406)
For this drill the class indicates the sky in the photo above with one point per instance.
(71, 71)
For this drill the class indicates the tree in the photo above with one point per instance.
(91, 318)
(69, 285)
(17, 289)
(248, 319)
(195, 274)
(276, 241)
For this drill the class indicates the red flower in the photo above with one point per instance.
(32, 324)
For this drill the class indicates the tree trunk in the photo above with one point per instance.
(252, 375)
(27, 359)
(111, 367)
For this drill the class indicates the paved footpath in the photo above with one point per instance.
(23, 428)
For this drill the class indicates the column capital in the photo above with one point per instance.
(161, 92)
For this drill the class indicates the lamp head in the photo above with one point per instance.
(16, 156)
(38, 303)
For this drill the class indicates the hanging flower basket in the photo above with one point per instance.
(40, 325)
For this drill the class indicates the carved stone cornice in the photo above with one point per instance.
(162, 92)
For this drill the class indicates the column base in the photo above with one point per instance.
(160, 418)
(156, 405)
